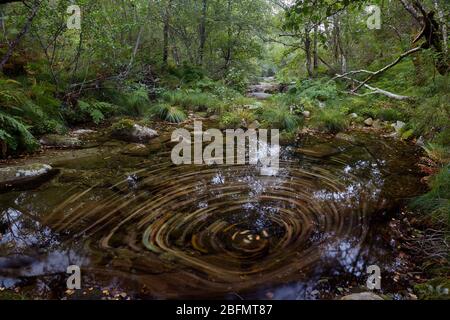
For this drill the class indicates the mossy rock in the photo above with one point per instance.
(129, 131)
(27, 176)
(60, 141)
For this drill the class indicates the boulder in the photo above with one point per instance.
(134, 133)
(362, 296)
(353, 115)
(306, 114)
(368, 122)
(60, 141)
(25, 176)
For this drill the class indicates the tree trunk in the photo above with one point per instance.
(443, 24)
(166, 32)
(431, 33)
(228, 52)
(308, 53)
(316, 53)
(22, 33)
(202, 32)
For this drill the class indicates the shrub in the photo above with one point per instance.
(236, 119)
(320, 90)
(197, 101)
(96, 110)
(436, 202)
(280, 118)
(168, 113)
(330, 120)
(389, 115)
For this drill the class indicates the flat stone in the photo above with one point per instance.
(362, 296)
(60, 141)
(24, 176)
(319, 151)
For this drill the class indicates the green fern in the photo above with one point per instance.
(280, 117)
(96, 110)
(12, 127)
(168, 113)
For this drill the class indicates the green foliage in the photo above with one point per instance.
(431, 117)
(138, 100)
(168, 113)
(437, 152)
(320, 90)
(197, 101)
(280, 117)
(16, 134)
(236, 79)
(123, 124)
(435, 289)
(330, 120)
(436, 202)
(96, 110)
(236, 118)
(389, 115)
(186, 73)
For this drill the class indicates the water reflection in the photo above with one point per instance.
(192, 231)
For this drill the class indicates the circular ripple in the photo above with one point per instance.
(220, 227)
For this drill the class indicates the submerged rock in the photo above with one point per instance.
(135, 150)
(319, 151)
(27, 175)
(132, 132)
(362, 296)
(60, 141)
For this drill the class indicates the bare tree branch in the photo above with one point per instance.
(374, 90)
(400, 58)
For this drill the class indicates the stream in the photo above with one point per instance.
(133, 220)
